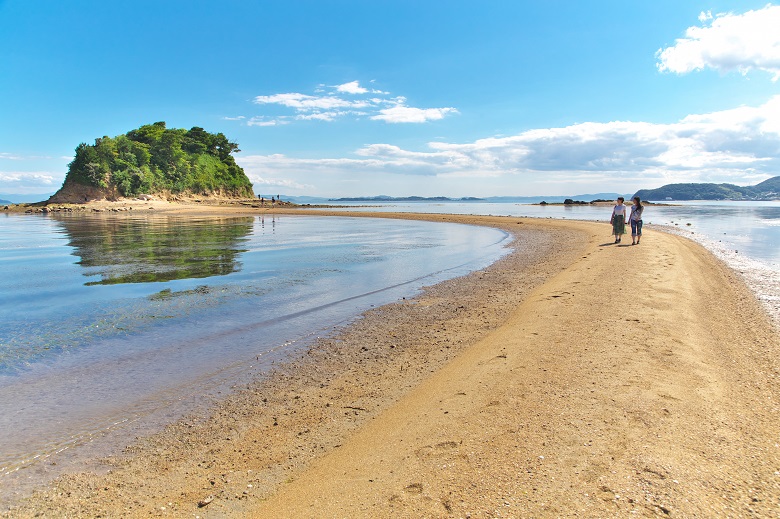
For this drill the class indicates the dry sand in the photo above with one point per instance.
(572, 378)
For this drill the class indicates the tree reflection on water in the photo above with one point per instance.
(145, 250)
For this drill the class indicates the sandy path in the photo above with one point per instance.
(574, 378)
(650, 390)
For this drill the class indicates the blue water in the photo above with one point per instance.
(116, 323)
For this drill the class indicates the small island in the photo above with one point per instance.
(155, 161)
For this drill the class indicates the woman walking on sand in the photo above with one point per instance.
(618, 220)
(636, 221)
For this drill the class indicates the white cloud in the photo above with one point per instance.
(741, 42)
(239, 118)
(328, 116)
(329, 105)
(43, 178)
(15, 156)
(262, 121)
(738, 145)
(353, 87)
(29, 182)
(263, 183)
(303, 102)
(408, 114)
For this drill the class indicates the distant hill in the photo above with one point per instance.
(8, 198)
(554, 199)
(770, 185)
(155, 160)
(766, 190)
(491, 199)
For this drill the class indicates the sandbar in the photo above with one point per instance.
(573, 377)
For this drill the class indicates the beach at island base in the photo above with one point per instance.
(571, 378)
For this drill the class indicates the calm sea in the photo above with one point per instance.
(110, 327)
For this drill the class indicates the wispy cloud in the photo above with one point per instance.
(263, 121)
(739, 145)
(728, 42)
(264, 183)
(329, 103)
(306, 103)
(408, 114)
(16, 156)
(39, 177)
(29, 182)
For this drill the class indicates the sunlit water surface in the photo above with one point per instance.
(112, 326)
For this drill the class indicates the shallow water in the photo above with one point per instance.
(113, 326)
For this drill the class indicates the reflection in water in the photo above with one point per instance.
(123, 252)
(144, 251)
(767, 213)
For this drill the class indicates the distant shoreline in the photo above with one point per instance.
(176, 205)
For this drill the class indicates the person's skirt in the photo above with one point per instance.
(618, 226)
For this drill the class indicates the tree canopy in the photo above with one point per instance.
(153, 159)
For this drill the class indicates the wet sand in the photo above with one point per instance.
(572, 378)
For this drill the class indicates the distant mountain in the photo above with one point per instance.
(5, 202)
(766, 190)
(552, 199)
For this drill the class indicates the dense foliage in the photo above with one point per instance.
(153, 159)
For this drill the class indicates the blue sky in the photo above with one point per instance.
(457, 98)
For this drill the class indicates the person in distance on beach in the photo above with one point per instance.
(618, 220)
(636, 221)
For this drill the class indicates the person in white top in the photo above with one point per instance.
(618, 220)
(636, 220)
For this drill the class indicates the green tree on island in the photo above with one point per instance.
(154, 159)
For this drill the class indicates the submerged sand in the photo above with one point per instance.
(572, 378)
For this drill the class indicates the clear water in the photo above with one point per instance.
(112, 325)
